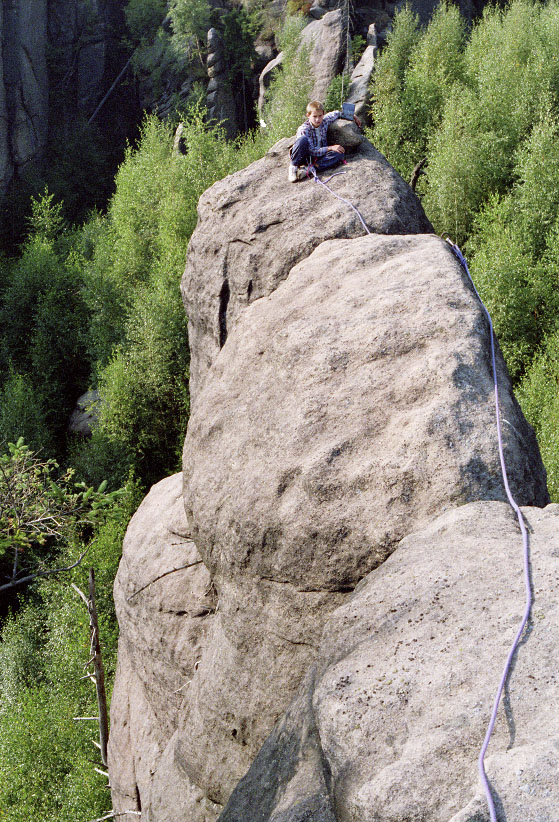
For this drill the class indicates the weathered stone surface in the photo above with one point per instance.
(359, 84)
(83, 37)
(85, 414)
(86, 35)
(324, 37)
(343, 397)
(393, 716)
(253, 228)
(346, 134)
(265, 78)
(326, 41)
(165, 604)
(172, 796)
(319, 443)
(299, 481)
(25, 79)
(263, 638)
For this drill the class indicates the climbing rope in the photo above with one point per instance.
(311, 172)
(527, 579)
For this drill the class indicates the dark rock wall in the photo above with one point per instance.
(57, 60)
(24, 93)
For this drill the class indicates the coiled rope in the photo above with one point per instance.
(527, 579)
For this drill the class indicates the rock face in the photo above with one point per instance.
(219, 99)
(342, 399)
(389, 723)
(353, 428)
(258, 215)
(165, 604)
(326, 43)
(23, 79)
(85, 414)
(358, 92)
(82, 38)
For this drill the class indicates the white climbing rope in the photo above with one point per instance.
(311, 172)
(526, 553)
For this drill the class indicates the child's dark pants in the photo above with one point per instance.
(301, 156)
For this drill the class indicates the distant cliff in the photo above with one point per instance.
(57, 60)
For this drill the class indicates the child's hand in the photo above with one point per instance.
(339, 149)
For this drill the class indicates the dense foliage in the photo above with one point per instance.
(95, 305)
(41, 509)
(47, 758)
(482, 106)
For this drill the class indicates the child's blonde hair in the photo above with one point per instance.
(314, 105)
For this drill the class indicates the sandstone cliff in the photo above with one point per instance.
(81, 39)
(325, 618)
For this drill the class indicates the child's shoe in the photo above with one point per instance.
(292, 173)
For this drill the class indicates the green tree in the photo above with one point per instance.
(41, 510)
(44, 318)
(190, 21)
(47, 758)
(434, 62)
(539, 398)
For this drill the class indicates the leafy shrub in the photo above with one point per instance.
(46, 769)
(391, 130)
(22, 414)
(519, 290)
(334, 96)
(539, 398)
(143, 18)
(44, 319)
(288, 93)
(190, 21)
(41, 509)
(508, 81)
(299, 6)
(144, 388)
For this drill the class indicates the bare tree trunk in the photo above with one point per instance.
(99, 671)
(418, 170)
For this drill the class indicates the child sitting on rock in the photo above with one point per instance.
(311, 144)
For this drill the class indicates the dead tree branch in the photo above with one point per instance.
(98, 675)
(172, 571)
(13, 582)
(417, 172)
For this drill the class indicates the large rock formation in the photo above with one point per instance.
(165, 602)
(343, 399)
(253, 228)
(326, 42)
(358, 91)
(389, 722)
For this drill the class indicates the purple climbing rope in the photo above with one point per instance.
(522, 524)
(311, 171)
